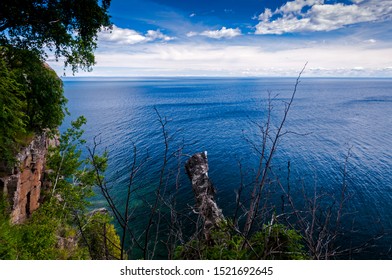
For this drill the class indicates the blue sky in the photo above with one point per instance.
(246, 38)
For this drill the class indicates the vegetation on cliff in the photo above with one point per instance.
(64, 227)
(273, 241)
(32, 100)
(31, 94)
(12, 118)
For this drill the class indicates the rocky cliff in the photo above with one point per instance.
(22, 184)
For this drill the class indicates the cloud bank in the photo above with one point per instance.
(315, 15)
(189, 59)
(202, 50)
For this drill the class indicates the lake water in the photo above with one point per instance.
(328, 118)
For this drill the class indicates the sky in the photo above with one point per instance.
(245, 38)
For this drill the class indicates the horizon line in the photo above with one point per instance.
(225, 77)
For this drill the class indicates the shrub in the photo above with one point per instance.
(271, 242)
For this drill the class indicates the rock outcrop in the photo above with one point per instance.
(197, 170)
(22, 184)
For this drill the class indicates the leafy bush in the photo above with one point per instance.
(278, 242)
(271, 242)
(7, 238)
(100, 237)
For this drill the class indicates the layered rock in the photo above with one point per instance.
(23, 183)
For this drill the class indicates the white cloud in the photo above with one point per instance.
(126, 36)
(222, 33)
(152, 35)
(297, 5)
(292, 17)
(264, 17)
(371, 41)
(191, 34)
(217, 34)
(209, 59)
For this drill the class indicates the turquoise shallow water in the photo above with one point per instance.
(328, 117)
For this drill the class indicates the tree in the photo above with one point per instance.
(41, 89)
(268, 146)
(12, 119)
(67, 27)
(31, 94)
(31, 99)
(73, 179)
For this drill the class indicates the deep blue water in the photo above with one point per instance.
(328, 116)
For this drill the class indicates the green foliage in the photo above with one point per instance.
(42, 89)
(31, 99)
(271, 242)
(31, 94)
(72, 177)
(100, 238)
(62, 228)
(12, 118)
(278, 242)
(7, 238)
(67, 27)
(36, 239)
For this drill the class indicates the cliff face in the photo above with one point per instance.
(23, 183)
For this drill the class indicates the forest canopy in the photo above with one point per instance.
(31, 94)
(66, 27)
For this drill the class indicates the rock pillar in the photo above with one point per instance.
(197, 170)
